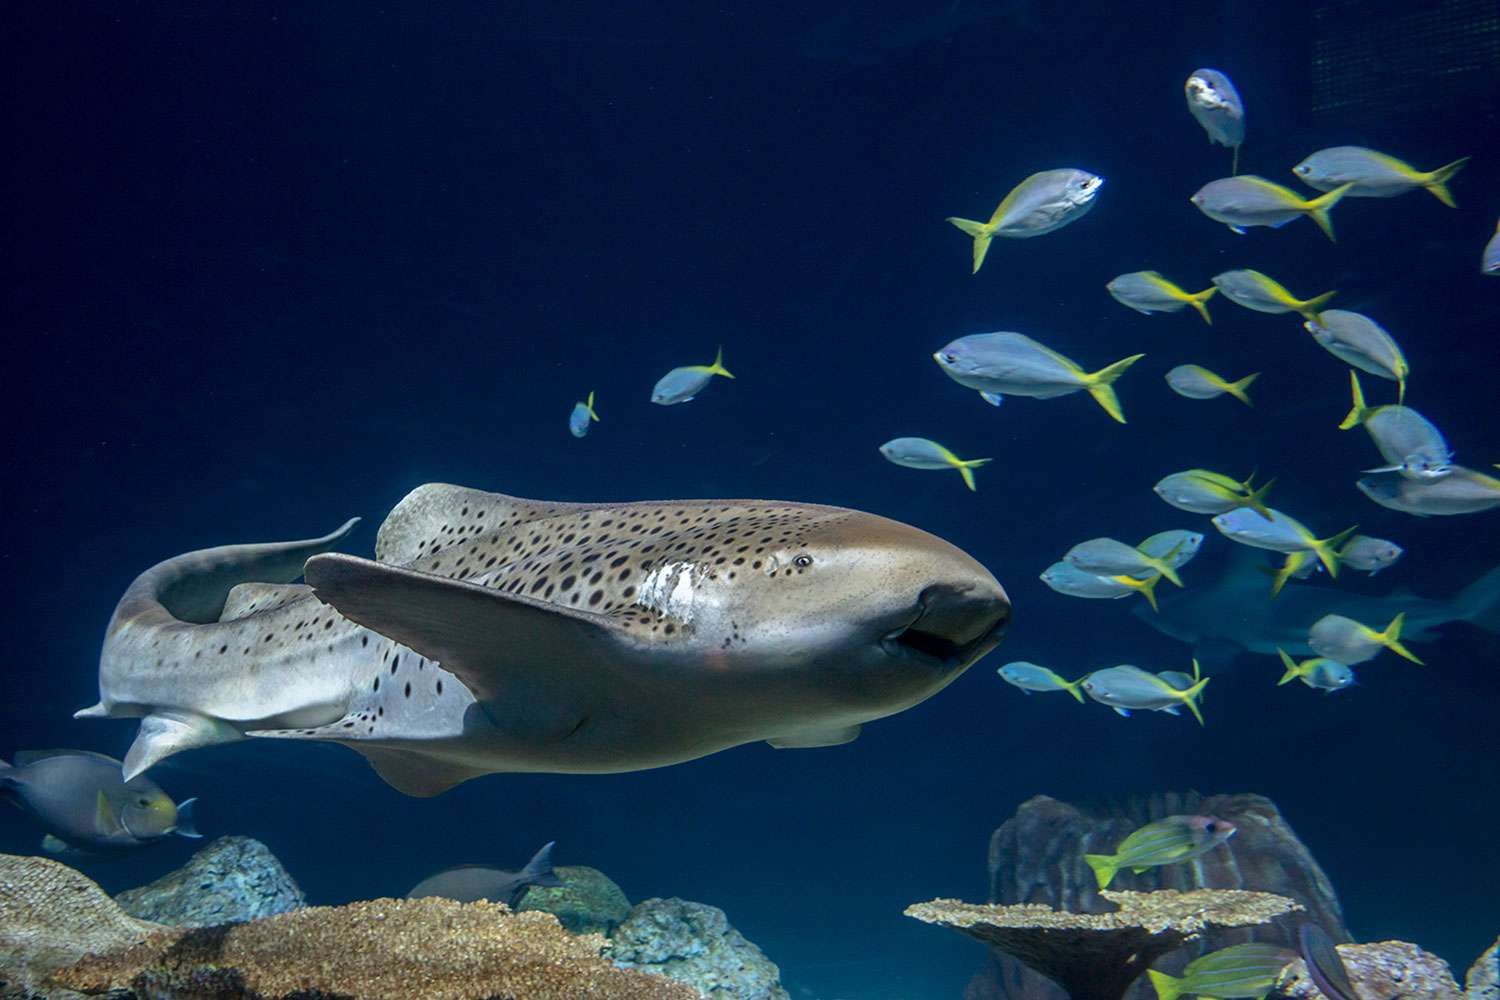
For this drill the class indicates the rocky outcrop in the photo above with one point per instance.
(1384, 969)
(232, 879)
(1483, 980)
(1037, 857)
(694, 944)
(50, 917)
(587, 902)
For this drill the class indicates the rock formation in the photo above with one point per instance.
(1483, 980)
(694, 944)
(232, 879)
(1382, 971)
(587, 902)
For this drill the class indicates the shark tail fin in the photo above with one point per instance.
(1358, 411)
(1290, 665)
(538, 870)
(1100, 385)
(1104, 867)
(1199, 301)
(1391, 639)
(1318, 209)
(981, 232)
(1437, 180)
(1327, 550)
(186, 826)
(1479, 602)
(1237, 389)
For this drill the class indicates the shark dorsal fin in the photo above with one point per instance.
(24, 757)
(437, 514)
(249, 598)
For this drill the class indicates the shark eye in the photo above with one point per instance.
(803, 561)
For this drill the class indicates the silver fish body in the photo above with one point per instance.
(1359, 341)
(1065, 578)
(1461, 491)
(1489, 260)
(1409, 442)
(1215, 104)
(1278, 533)
(1128, 688)
(1046, 201)
(1011, 364)
(1371, 555)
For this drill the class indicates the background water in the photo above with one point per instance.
(271, 265)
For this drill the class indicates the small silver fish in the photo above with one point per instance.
(1461, 491)
(1013, 364)
(578, 420)
(1489, 261)
(920, 453)
(1041, 204)
(1200, 491)
(1215, 104)
(1374, 175)
(470, 883)
(1409, 442)
(1279, 533)
(1345, 640)
(1318, 672)
(1148, 292)
(1358, 340)
(1168, 841)
(1258, 291)
(1369, 554)
(1176, 547)
(1030, 677)
(1197, 382)
(1247, 200)
(1108, 557)
(1065, 578)
(682, 384)
(1238, 972)
(1128, 688)
(78, 797)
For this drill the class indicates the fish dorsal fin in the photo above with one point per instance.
(437, 513)
(533, 666)
(24, 757)
(249, 598)
(106, 821)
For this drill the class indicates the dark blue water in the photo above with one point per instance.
(272, 265)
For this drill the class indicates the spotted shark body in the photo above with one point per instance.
(493, 634)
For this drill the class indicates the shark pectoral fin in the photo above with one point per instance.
(830, 736)
(416, 774)
(499, 645)
(247, 598)
(170, 731)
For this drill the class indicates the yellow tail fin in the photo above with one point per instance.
(1237, 389)
(1099, 385)
(1391, 639)
(1074, 688)
(717, 368)
(1167, 987)
(1199, 301)
(1327, 550)
(982, 234)
(1319, 208)
(1292, 670)
(1310, 309)
(1190, 698)
(1358, 411)
(1256, 501)
(590, 407)
(1146, 588)
(966, 469)
(1104, 868)
(1437, 180)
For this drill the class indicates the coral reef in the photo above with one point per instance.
(52, 916)
(1483, 980)
(1382, 971)
(694, 944)
(1036, 856)
(587, 902)
(1096, 956)
(232, 879)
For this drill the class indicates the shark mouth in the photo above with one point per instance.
(950, 628)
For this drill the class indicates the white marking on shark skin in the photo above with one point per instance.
(671, 590)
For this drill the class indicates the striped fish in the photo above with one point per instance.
(1165, 842)
(1241, 970)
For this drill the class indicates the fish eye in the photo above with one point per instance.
(949, 357)
(143, 802)
(803, 561)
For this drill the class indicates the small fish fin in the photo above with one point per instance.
(106, 820)
(1310, 309)
(717, 368)
(1358, 411)
(966, 469)
(1074, 688)
(1319, 208)
(1292, 670)
(1279, 577)
(24, 757)
(415, 774)
(1391, 639)
(1167, 987)
(185, 825)
(1100, 385)
(55, 845)
(1237, 230)
(993, 398)
(1171, 710)
(1237, 389)
(1123, 713)
(1256, 501)
(1199, 301)
(1401, 390)
(538, 870)
(1147, 589)
(830, 736)
(505, 648)
(169, 731)
(981, 232)
(1141, 871)
(1191, 695)
(1437, 180)
(590, 407)
(1104, 868)
(1327, 550)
